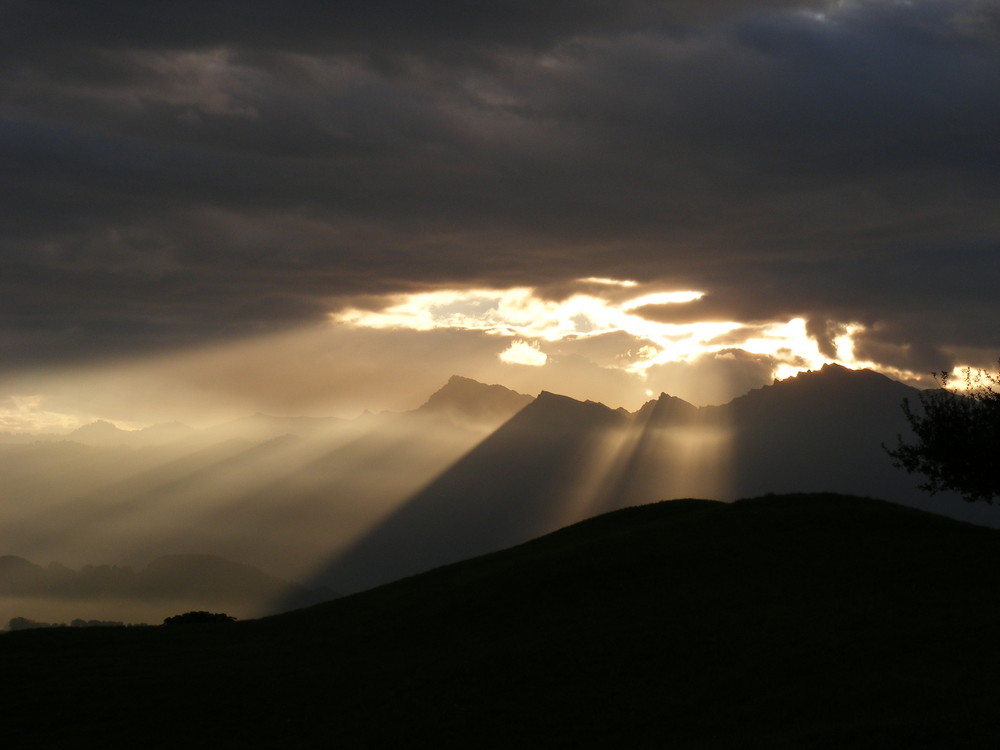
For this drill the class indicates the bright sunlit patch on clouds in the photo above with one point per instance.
(521, 312)
(521, 352)
(534, 322)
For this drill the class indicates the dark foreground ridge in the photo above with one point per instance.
(777, 622)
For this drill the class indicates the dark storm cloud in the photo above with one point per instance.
(384, 28)
(217, 169)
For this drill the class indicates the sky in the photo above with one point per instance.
(305, 207)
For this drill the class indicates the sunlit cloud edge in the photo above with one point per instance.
(535, 324)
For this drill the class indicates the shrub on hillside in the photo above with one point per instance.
(196, 618)
(957, 437)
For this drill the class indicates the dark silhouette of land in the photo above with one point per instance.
(817, 621)
(560, 460)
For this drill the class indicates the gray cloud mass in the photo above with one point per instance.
(212, 170)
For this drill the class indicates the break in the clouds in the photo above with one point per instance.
(201, 173)
(643, 343)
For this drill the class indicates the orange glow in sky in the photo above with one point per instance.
(531, 321)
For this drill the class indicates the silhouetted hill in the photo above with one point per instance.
(816, 621)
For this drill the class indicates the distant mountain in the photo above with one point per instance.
(212, 578)
(821, 430)
(161, 434)
(102, 433)
(332, 494)
(99, 433)
(18, 575)
(666, 410)
(21, 438)
(282, 492)
(196, 578)
(560, 460)
(817, 431)
(475, 468)
(255, 428)
(260, 427)
(466, 401)
(524, 479)
(807, 621)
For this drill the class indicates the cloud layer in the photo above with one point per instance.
(218, 170)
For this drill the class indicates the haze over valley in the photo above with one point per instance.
(299, 509)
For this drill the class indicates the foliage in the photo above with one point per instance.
(23, 623)
(194, 618)
(958, 437)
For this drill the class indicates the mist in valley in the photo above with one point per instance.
(265, 514)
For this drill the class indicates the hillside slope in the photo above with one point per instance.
(776, 622)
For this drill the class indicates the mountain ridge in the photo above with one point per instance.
(466, 400)
(174, 577)
(560, 459)
(391, 496)
(462, 395)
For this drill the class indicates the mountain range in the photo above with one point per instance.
(350, 504)
(560, 460)
(189, 580)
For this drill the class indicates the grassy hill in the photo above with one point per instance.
(783, 621)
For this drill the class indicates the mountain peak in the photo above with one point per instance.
(665, 408)
(100, 425)
(834, 375)
(832, 387)
(465, 400)
(100, 432)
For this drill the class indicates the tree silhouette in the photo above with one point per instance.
(193, 618)
(958, 437)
